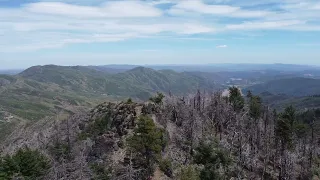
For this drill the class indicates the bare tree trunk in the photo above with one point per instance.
(311, 148)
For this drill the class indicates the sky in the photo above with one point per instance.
(100, 32)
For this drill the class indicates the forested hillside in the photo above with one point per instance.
(44, 91)
(203, 136)
(48, 86)
(298, 86)
(139, 82)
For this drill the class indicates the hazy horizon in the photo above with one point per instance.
(70, 32)
(170, 65)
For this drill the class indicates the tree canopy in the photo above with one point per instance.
(26, 163)
(147, 142)
(235, 98)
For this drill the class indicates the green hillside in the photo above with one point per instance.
(280, 101)
(75, 78)
(23, 101)
(292, 86)
(42, 91)
(139, 82)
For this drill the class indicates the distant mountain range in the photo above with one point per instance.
(297, 91)
(46, 91)
(11, 71)
(117, 68)
(138, 82)
(280, 101)
(219, 67)
(297, 86)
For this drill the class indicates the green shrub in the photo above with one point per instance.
(97, 127)
(188, 173)
(129, 101)
(100, 172)
(215, 160)
(26, 163)
(83, 136)
(166, 167)
(61, 151)
(157, 99)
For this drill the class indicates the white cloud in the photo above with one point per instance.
(197, 6)
(244, 14)
(101, 26)
(56, 40)
(108, 9)
(195, 29)
(157, 2)
(48, 24)
(317, 6)
(31, 37)
(296, 10)
(307, 5)
(23, 31)
(264, 25)
(222, 46)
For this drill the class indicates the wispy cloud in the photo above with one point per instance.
(264, 25)
(223, 10)
(59, 40)
(221, 46)
(110, 9)
(56, 23)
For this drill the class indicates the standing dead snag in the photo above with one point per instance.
(311, 147)
(129, 171)
(198, 101)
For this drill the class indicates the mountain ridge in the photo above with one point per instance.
(299, 86)
(55, 88)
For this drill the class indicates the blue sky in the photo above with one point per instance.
(98, 32)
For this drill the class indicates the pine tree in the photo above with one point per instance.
(147, 142)
(255, 106)
(285, 126)
(25, 163)
(235, 98)
(285, 130)
(214, 160)
(157, 99)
